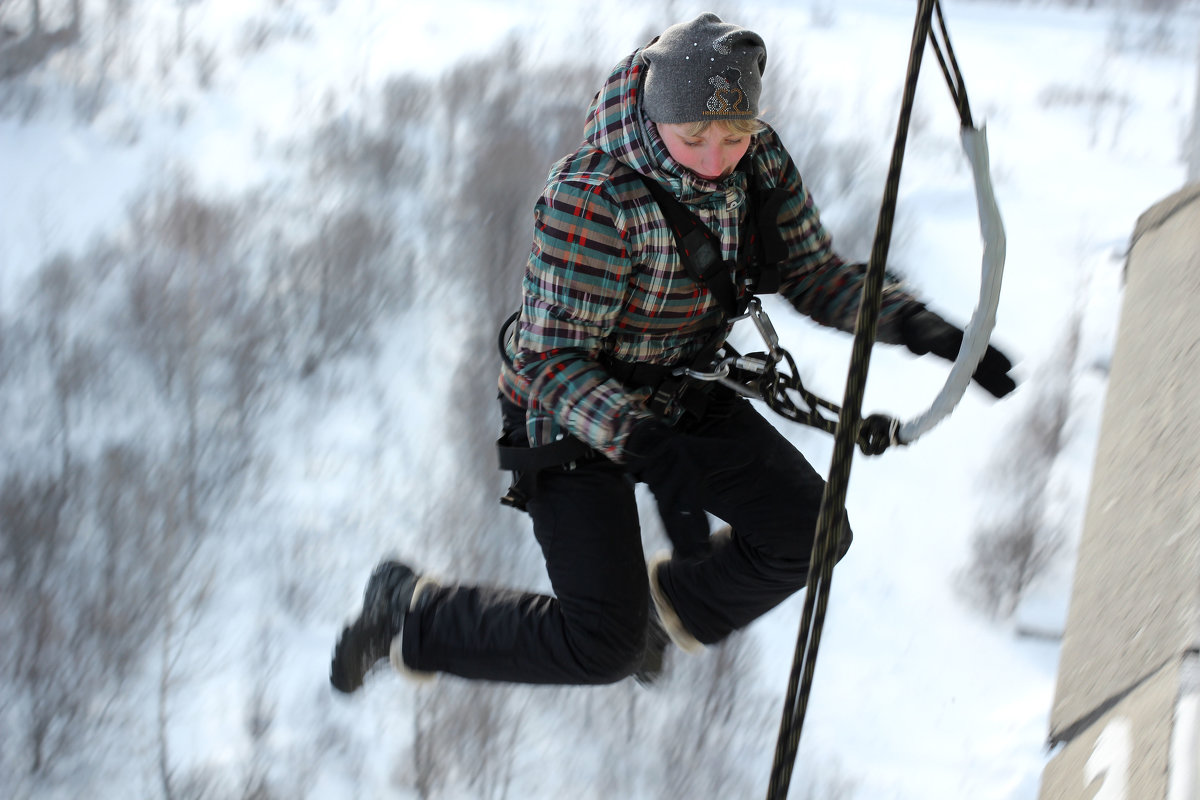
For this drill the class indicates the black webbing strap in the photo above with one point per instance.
(769, 248)
(523, 458)
(636, 374)
(526, 463)
(699, 248)
(761, 248)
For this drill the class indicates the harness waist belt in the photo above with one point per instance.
(523, 458)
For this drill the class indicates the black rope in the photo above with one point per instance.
(774, 391)
(953, 75)
(832, 515)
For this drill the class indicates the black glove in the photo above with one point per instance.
(925, 332)
(670, 463)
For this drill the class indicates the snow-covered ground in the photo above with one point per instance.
(917, 695)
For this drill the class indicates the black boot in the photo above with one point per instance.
(368, 640)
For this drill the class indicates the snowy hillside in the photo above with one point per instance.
(253, 256)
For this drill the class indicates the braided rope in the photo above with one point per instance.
(832, 515)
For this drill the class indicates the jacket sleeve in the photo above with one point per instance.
(814, 278)
(575, 289)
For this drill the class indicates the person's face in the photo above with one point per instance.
(712, 155)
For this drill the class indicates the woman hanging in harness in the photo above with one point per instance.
(612, 306)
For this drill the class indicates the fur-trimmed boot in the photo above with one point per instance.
(368, 640)
(669, 620)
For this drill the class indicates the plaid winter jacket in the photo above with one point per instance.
(604, 276)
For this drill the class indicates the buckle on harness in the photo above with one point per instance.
(526, 463)
(514, 497)
(680, 392)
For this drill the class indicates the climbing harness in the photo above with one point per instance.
(831, 517)
(677, 391)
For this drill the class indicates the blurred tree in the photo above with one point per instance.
(1020, 538)
(30, 46)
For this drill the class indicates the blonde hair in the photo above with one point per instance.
(744, 127)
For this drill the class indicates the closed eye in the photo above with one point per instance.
(726, 143)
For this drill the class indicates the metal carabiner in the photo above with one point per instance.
(766, 330)
(719, 372)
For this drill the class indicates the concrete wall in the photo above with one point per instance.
(1193, 143)
(1124, 716)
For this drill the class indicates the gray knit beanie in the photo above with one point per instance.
(701, 70)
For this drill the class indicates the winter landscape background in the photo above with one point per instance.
(253, 256)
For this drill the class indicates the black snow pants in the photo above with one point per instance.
(585, 518)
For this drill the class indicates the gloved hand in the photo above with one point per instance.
(926, 332)
(667, 462)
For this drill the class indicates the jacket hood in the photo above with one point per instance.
(616, 126)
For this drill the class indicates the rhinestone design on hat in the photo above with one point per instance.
(727, 97)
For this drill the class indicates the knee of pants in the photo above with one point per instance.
(610, 649)
(796, 545)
